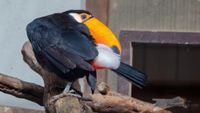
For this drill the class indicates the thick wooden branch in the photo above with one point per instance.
(106, 101)
(21, 89)
(110, 101)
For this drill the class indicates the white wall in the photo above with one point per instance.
(15, 15)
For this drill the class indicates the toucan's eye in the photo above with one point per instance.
(83, 16)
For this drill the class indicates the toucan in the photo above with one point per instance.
(74, 44)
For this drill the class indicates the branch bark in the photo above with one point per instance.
(105, 101)
(9, 109)
(21, 89)
(110, 101)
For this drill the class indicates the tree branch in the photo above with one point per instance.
(21, 89)
(110, 101)
(105, 101)
(9, 109)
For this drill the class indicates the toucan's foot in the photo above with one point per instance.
(64, 94)
(68, 91)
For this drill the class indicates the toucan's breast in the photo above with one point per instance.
(106, 58)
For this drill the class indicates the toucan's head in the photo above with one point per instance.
(100, 32)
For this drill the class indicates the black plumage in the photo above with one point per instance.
(64, 44)
(67, 48)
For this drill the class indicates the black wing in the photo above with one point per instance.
(62, 42)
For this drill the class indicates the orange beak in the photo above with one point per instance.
(102, 34)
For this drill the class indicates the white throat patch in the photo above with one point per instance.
(106, 57)
(76, 16)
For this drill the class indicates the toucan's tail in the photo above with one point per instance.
(137, 77)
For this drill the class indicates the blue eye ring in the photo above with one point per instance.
(83, 16)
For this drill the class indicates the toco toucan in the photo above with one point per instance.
(74, 44)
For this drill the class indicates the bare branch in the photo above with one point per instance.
(168, 103)
(30, 59)
(21, 89)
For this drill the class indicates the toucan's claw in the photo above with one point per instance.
(68, 91)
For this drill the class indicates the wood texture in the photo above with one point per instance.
(8, 109)
(112, 102)
(99, 8)
(155, 15)
(21, 89)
